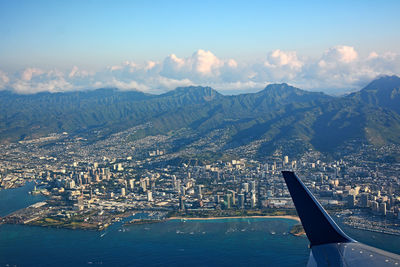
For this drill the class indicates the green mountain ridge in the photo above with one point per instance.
(383, 92)
(278, 117)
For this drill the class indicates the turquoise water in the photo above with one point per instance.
(227, 242)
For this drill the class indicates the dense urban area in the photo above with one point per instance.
(89, 185)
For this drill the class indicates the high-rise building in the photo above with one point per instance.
(241, 200)
(131, 184)
(199, 192)
(120, 168)
(70, 184)
(266, 167)
(178, 186)
(97, 178)
(382, 208)
(80, 203)
(233, 193)
(364, 200)
(181, 203)
(294, 164)
(253, 200)
(253, 186)
(174, 182)
(351, 199)
(246, 187)
(149, 196)
(228, 200)
(183, 190)
(143, 185)
(374, 206)
(286, 160)
(217, 200)
(123, 192)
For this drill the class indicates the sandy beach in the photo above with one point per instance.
(291, 217)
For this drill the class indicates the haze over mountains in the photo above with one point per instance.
(278, 116)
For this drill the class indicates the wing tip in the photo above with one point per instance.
(319, 226)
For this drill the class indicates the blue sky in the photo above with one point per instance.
(94, 35)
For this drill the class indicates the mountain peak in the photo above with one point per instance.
(385, 82)
(197, 92)
(383, 91)
(285, 90)
(279, 87)
(283, 94)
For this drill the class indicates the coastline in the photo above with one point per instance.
(290, 217)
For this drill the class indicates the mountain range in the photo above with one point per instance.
(280, 116)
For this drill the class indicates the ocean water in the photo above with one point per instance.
(225, 242)
(232, 242)
(17, 198)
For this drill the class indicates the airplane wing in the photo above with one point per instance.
(330, 246)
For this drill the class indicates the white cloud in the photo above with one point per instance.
(28, 73)
(232, 63)
(340, 53)
(238, 87)
(3, 79)
(342, 68)
(150, 65)
(56, 85)
(161, 83)
(77, 73)
(205, 62)
(201, 65)
(373, 55)
(279, 58)
(279, 66)
(338, 67)
(131, 85)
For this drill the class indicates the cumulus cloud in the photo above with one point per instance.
(279, 58)
(78, 73)
(341, 53)
(373, 55)
(201, 65)
(338, 67)
(342, 68)
(205, 62)
(279, 66)
(28, 73)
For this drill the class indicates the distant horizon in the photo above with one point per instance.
(327, 91)
(232, 46)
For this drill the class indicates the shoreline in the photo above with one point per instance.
(290, 217)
